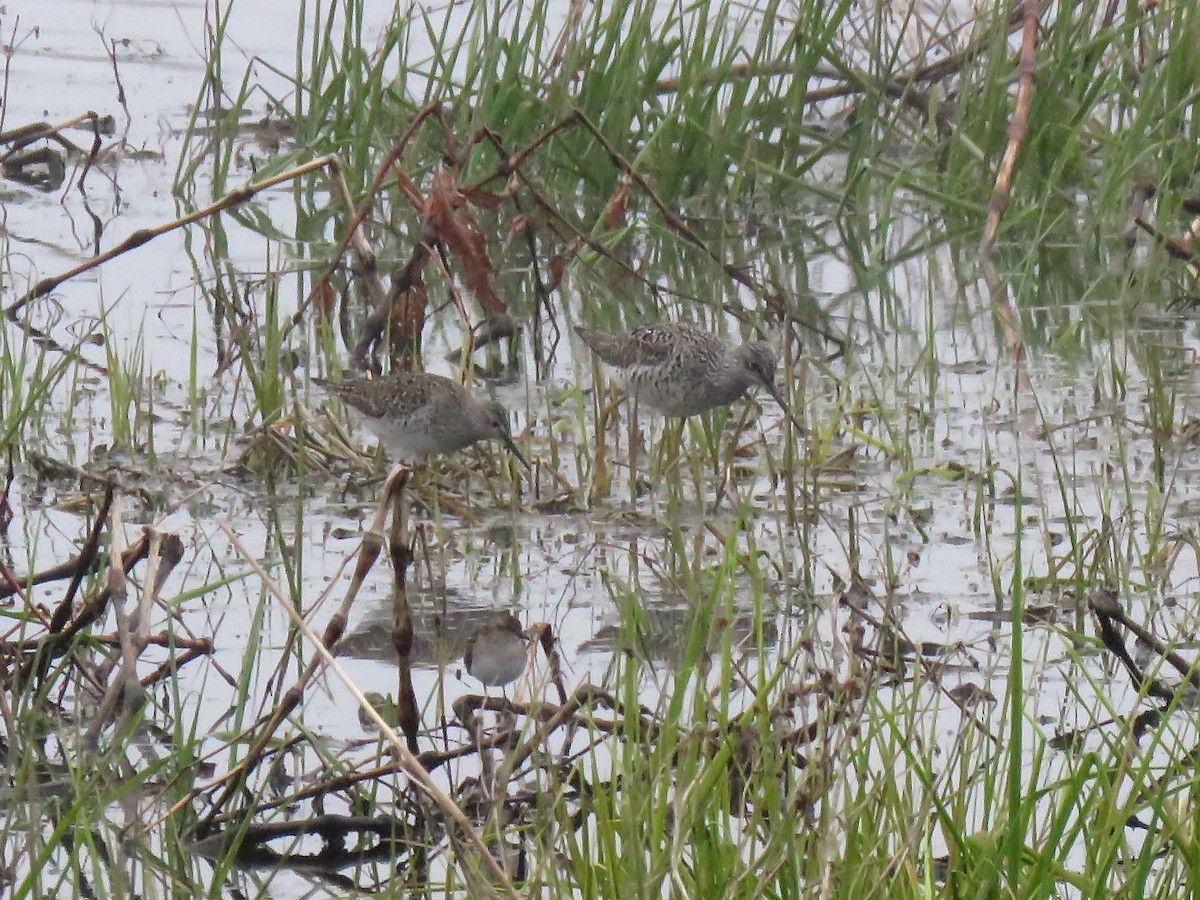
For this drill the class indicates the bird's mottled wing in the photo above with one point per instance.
(653, 345)
(396, 395)
(649, 345)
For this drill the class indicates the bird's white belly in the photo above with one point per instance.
(500, 664)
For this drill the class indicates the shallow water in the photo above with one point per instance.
(930, 371)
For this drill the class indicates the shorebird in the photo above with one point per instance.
(497, 651)
(681, 371)
(417, 414)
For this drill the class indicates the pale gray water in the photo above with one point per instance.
(550, 567)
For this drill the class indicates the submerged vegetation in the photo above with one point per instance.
(932, 641)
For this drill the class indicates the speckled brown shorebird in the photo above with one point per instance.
(681, 371)
(497, 651)
(417, 414)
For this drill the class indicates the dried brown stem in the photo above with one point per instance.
(544, 635)
(36, 131)
(408, 762)
(177, 661)
(145, 235)
(1174, 247)
(71, 568)
(1017, 128)
(1107, 609)
(162, 639)
(234, 779)
(62, 612)
(321, 286)
(39, 653)
(366, 261)
(126, 690)
(401, 552)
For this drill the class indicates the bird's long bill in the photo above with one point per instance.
(777, 396)
(512, 448)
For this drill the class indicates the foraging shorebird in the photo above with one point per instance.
(417, 414)
(497, 651)
(681, 371)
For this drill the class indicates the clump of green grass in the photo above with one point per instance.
(29, 373)
(819, 751)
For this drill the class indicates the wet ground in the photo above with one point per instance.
(930, 373)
